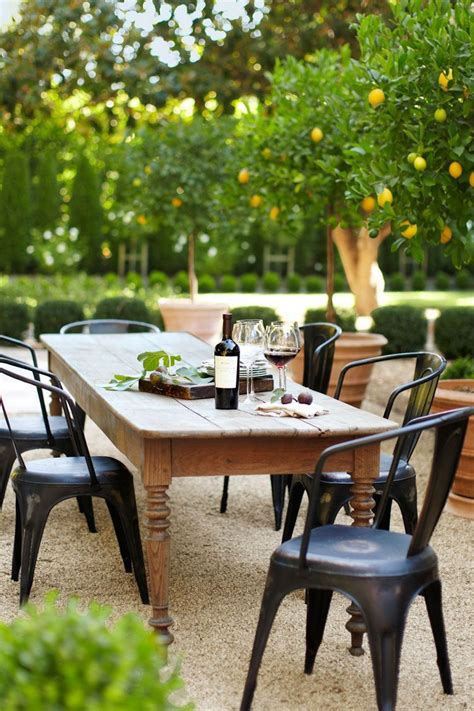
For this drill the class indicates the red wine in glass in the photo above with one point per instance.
(280, 358)
(282, 344)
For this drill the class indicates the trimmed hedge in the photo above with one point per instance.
(121, 307)
(442, 281)
(157, 278)
(181, 282)
(266, 313)
(293, 284)
(459, 369)
(454, 332)
(51, 315)
(344, 318)
(207, 284)
(397, 282)
(315, 284)
(228, 283)
(271, 282)
(463, 279)
(404, 327)
(340, 283)
(249, 283)
(14, 318)
(418, 281)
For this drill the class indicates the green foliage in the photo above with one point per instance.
(228, 283)
(207, 284)
(51, 315)
(121, 307)
(405, 59)
(157, 278)
(249, 283)
(67, 659)
(463, 279)
(85, 212)
(265, 313)
(47, 198)
(181, 282)
(340, 283)
(454, 332)
(14, 318)
(442, 281)
(293, 283)
(459, 369)
(404, 327)
(344, 318)
(315, 284)
(271, 282)
(134, 280)
(15, 212)
(418, 281)
(397, 282)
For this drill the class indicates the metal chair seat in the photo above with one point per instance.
(404, 471)
(29, 428)
(72, 471)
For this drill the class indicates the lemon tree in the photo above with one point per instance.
(422, 64)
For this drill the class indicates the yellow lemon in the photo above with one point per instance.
(136, 182)
(267, 153)
(141, 219)
(410, 230)
(317, 135)
(147, 169)
(274, 212)
(440, 115)
(244, 176)
(446, 235)
(368, 203)
(444, 79)
(376, 97)
(385, 196)
(455, 169)
(176, 202)
(419, 163)
(411, 157)
(471, 179)
(256, 200)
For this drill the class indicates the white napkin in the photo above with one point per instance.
(293, 409)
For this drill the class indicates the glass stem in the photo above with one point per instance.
(252, 392)
(247, 371)
(282, 378)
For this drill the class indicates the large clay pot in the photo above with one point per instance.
(350, 346)
(201, 319)
(450, 395)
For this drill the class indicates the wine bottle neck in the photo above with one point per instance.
(227, 326)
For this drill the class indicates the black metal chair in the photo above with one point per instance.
(40, 484)
(108, 325)
(381, 571)
(319, 344)
(36, 431)
(336, 486)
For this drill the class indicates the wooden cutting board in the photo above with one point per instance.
(196, 392)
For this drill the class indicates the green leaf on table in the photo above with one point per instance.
(277, 393)
(152, 359)
(192, 375)
(123, 382)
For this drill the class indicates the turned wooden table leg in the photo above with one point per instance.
(366, 469)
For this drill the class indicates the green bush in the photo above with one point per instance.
(207, 284)
(454, 332)
(340, 283)
(396, 282)
(15, 211)
(111, 279)
(293, 283)
(134, 280)
(459, 369)
(315, 284)
(51, 315)
(249, 283)
(122, 307)
(442, 281)
(228, 283)
(69, 660)
(404, 327)
(418, 281)
(13, 318)
(181, 282)
(344, 318)
(266, 313)
(157, 278)
(463, 279)
(271, 282)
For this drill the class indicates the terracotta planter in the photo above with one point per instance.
(201, 319)
(350, 346)
(450, 395)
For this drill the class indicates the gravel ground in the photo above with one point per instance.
(217, 578)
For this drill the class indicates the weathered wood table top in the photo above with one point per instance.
(166, 437)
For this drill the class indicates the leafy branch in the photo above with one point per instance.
(156, 367)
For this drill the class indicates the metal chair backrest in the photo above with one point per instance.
(70, 412)
(109, 325)
(428, 368)
(450, 431)
(319, 344)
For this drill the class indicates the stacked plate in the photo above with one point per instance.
(260, 368)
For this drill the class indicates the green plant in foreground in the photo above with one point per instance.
(405, 328)
(68, 660)
(459, 369)
(454, 332)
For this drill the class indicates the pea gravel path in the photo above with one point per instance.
(217, 578)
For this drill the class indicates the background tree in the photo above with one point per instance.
(15, 212)
(85, 212)
(47, 198)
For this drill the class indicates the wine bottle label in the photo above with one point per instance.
(225, 371)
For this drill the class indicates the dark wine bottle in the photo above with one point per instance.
(226, 365)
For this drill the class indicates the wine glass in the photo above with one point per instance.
(282, 344)
(249, 334)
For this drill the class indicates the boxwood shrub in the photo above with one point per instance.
(249, 283)
(181, 282)
(293, 283)
(463, 279)
(134, 280)
(405, 327)
(14, 318)
(51, 315)
(122, 307)
(459, 369)
(157, 278)
(442, 281)
(396, 282)
(344, 318)
(228, 283)
(271, 282)
(315, 284)
(207, 284)
(266, 313)
(454, 332)
(418, 281)
(340, 283)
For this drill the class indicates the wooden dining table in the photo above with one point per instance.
(165, 437)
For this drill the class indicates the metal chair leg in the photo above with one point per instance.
(86, 508)
(120, 536)
(7, 459)
(225, 492)
(432, 595)
(278, 484)
(294, 503)
(318, 602)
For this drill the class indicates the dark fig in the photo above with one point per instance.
(305, 398)
(286, 399)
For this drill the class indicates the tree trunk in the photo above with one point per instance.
(358, 254)
(330, 311)
(193, 285)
